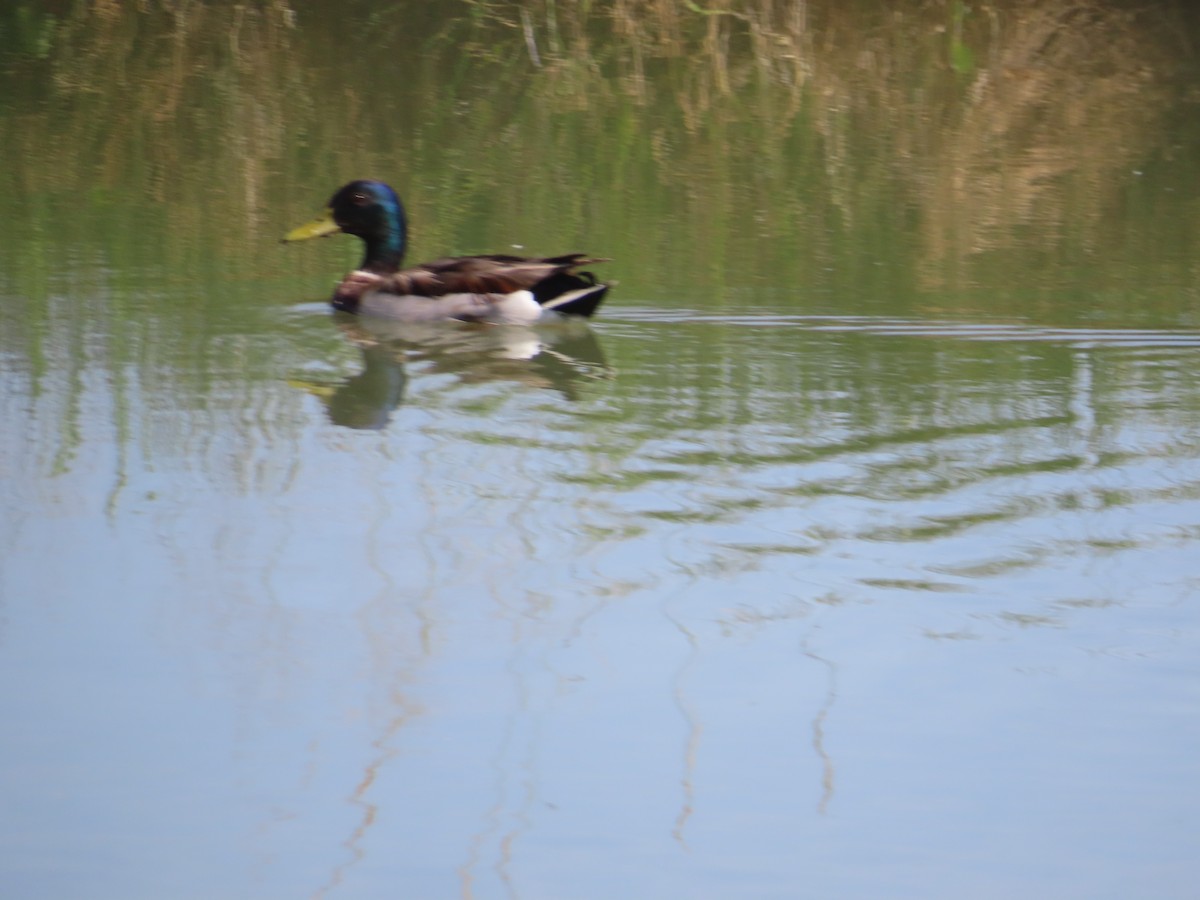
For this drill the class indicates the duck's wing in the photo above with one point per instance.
(496, 274)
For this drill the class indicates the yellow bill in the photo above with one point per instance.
(319, 227)
(316, 388)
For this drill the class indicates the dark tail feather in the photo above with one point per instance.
(571, 294)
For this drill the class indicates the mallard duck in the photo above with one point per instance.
(497, 289)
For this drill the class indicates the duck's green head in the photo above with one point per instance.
(372, 211)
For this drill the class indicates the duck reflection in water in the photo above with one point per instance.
(559, 357)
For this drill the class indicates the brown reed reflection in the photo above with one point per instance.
(769, 132)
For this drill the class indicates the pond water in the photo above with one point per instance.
(851, 551)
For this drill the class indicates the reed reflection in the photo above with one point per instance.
(878, 153)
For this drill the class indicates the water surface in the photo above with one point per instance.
(849, 553)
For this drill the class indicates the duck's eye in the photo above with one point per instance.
(361, 199)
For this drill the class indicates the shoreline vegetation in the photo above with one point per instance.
(777, 139)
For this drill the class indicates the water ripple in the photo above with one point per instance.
(974, 330)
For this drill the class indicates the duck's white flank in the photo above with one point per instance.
(517, 308)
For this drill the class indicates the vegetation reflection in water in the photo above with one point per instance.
(781, 146)
(855, 537)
